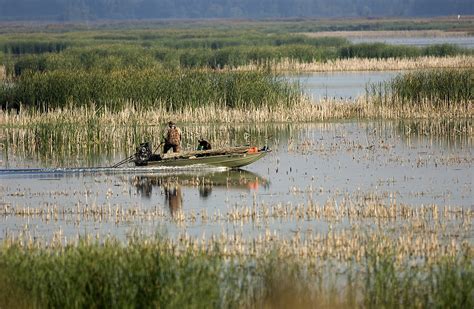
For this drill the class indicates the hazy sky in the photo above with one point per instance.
(138, 9)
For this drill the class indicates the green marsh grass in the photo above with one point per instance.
(450, 23)
(383, 51)
(451, 87)
(116, 56)
(33, 46)
(441, 88)
(173, 90)
(84, 130)
(177, 47)
(151, 272)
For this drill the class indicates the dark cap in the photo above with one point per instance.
(171, 123)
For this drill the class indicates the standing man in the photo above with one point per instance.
(172, 137)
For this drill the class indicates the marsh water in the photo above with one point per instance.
(461, 41)
(385, 162)
(340, 85)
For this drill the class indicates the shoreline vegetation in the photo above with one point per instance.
(291, 66)
(228, 271)
(214, 45)
(303, 111)
(233, 97)
(426, 262)
(75, 144)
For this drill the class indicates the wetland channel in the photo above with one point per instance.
(340, 85)
(350, 163)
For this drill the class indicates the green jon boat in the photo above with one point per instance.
(233, 157)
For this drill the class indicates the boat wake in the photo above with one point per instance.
(12, 172)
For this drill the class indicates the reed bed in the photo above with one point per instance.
(450, 23)
(302, 111)
(111, 57)
(220, 48)
(390, 253)
(32, 46)
(450, 88)
(431, 95)
(73, 144)
(367, 64)
(420, 230)
(161, 272)
(170, 90)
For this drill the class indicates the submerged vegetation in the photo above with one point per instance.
(89, 139)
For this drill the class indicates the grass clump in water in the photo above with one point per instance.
(445, 88)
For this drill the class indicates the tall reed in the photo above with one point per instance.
(449, 88)
(383, 51)
(173, 90)
(361, 64)
(203, 48)
(154, 273)
(3, 72)
(32, 46)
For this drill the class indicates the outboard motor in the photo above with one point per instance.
(143, 154)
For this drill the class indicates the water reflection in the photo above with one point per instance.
(174, 198)
(204, 182)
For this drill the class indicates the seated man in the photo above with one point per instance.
(204, 145)
(172, 138)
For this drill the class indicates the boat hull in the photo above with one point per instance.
(227, 160)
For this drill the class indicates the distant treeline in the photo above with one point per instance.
(148, 9)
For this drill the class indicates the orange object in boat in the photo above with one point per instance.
(253, 150)
(253, 185)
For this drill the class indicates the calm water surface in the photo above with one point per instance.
(340, 85)
(311, 163)
(465, 42)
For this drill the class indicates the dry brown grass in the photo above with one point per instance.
(430, 232)
(303, 111)
(356, 64)
(3, 72)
